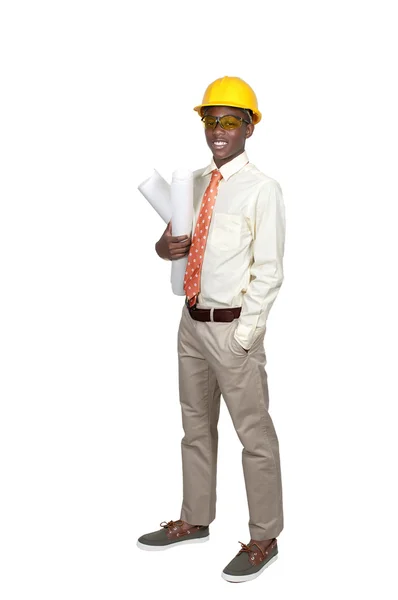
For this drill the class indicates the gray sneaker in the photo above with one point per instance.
(173, 533)
(250, 562)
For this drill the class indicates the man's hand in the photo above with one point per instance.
(172, 247)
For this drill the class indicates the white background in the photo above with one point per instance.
(94, 96)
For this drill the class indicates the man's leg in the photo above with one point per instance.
(243, 383)
(200, 406)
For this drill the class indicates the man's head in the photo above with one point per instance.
(226, 142)
(223, 97)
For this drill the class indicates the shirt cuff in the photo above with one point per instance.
(246, 336)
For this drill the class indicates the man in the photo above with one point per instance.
(233, 276)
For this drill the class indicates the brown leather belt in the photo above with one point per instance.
(220, 315)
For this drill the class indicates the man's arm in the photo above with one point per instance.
(171, 247)
(267, 269)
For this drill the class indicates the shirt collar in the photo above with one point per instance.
(230, 168)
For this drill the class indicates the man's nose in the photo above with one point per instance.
(218, 125)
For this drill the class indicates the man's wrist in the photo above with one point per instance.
(241, 342)
(157, 251)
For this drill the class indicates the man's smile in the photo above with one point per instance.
(219, 144)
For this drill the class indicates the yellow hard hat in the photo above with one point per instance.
(230, 91)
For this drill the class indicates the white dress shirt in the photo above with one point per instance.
(243, 260)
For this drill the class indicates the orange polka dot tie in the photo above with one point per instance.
(198, 245)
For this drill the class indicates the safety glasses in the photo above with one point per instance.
(227, 122)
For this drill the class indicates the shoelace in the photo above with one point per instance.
(171, 524)
(248, 549)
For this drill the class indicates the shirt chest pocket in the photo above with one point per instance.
(226, 231)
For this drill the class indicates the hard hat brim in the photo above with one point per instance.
(256, 113)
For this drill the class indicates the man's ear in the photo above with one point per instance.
(249, 130)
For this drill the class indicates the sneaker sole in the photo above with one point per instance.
(239, 578)
(155, 548)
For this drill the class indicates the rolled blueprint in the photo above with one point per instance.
(157, 191)
(181, 195)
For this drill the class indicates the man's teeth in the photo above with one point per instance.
(220, 143)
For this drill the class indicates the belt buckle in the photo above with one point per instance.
(187, 304)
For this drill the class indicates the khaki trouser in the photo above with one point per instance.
(211, 363)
